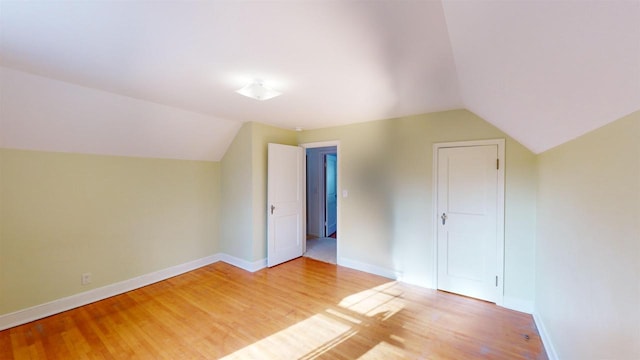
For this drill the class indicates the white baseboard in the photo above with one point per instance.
(544, 335)
(251, 266)
(67, 303)
(518, 304)
(415, 280)
(372, 269)
(57, 306)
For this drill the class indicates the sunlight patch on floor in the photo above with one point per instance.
(344, 316)
(322, 332)
(383, 350)
(384, 300)
(311, 336)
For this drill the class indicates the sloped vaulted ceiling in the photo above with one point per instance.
(542, 71)
(546, 72)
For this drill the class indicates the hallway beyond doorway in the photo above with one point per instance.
(322, 249)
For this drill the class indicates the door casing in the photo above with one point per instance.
(500, 143)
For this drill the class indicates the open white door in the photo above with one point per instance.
(284, 202)
(468, 204)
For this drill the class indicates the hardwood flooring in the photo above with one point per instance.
(303, 309)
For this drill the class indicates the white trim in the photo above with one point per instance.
(544, 335)
(251, 266)
(414, 280)
(500, 210)
(518, 304)
(57, 306)
(319, 144)
(67, 303)
(368, 268)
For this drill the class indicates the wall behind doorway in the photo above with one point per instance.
(386, 222)
(315, 192)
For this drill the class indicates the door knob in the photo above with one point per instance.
(272, 208)
(444, 218)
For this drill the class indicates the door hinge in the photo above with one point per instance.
(496, 280)
(497, 164)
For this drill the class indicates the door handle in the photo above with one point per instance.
(444, 218)
(272, 208)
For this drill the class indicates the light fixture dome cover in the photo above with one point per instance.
(257, 90)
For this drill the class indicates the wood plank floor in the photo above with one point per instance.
(303, 309)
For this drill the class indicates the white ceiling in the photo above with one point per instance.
(546, 72)
(542, 71)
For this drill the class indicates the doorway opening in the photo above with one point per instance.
(321, 202)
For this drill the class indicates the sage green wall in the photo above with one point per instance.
(236, 215)
(116, 217)
(588, 245)
(244, 190)
(387, 167)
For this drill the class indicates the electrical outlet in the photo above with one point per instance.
(85, 279)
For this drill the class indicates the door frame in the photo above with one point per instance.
(321, 144)
(499, 211)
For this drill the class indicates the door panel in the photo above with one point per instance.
(467, 240)
(284, 202)
(462, 250)
(467, 181)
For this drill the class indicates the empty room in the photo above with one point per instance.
(320, 179)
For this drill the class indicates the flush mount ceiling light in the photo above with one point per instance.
(257, 90)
